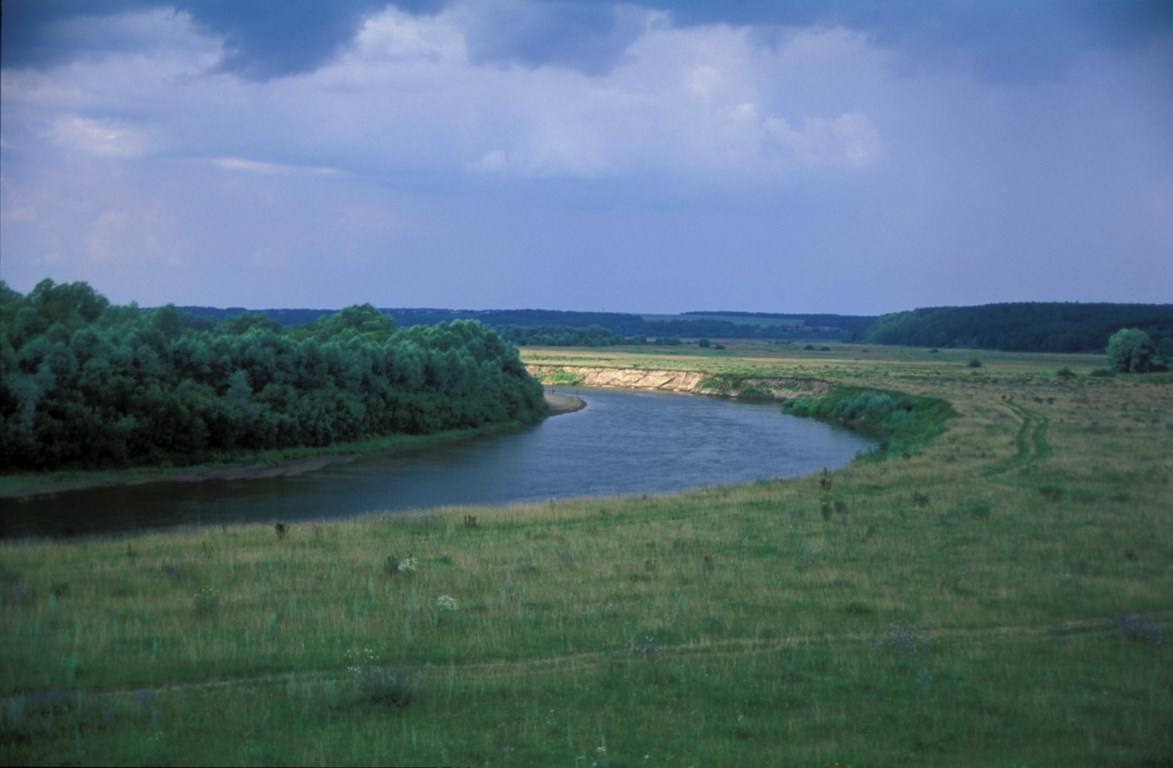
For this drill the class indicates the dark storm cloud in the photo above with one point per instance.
(261, 40)
(588, 37)
(999, 41)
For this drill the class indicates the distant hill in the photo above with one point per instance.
(724, 325)
(1023, 327)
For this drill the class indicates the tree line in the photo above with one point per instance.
(1024, 327)
(565, 336)
(85, 383)
(623, 328)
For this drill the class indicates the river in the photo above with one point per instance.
(623, 442)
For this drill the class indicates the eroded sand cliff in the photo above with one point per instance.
(690, 382)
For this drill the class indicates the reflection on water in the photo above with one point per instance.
(623, 442)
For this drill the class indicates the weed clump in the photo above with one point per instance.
(13, 589)
(646, 649)
(400, 566)
(968, 509)
(1051, 492)
(206, 603)
(1137, 627)
(389, 687)
(375, 684)
(898, 639)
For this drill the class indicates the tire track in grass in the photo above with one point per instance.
(1030, 443)
(499, 668)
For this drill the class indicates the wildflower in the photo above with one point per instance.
(447, 603)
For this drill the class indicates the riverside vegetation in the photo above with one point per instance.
(89, 385)
(996, 589)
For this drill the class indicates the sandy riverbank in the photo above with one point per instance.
(560, 403)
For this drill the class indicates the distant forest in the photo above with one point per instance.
(1024, 327)
(84, 383)
(557, 328)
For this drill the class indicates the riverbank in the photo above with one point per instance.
(560, 403)
(288, 462)
(744, 386)
(1001, 597)
(257, 466)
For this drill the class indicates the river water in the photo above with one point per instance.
(623, 442)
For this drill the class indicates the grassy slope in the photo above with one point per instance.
(961, 606)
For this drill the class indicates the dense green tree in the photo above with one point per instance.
(1131, 350)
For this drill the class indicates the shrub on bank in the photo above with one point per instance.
(902, 423)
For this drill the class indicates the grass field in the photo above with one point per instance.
(1002, 596)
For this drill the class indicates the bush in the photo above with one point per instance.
(903, 423)
(974, 363)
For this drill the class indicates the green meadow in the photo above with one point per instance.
(997, 593)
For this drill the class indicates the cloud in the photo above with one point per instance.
(586, 37)
(105, 138)
(264, 40)
(849, 140)
(996, 42)
(260, 40)
(827, 154)
(493, 161)
(259, 166)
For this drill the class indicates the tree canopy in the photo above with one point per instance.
(84, 383)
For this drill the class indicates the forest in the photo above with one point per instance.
(1024, 327)
(565, 336)
(88, 384)
(520, 324)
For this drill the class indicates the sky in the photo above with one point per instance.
(651, 156)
